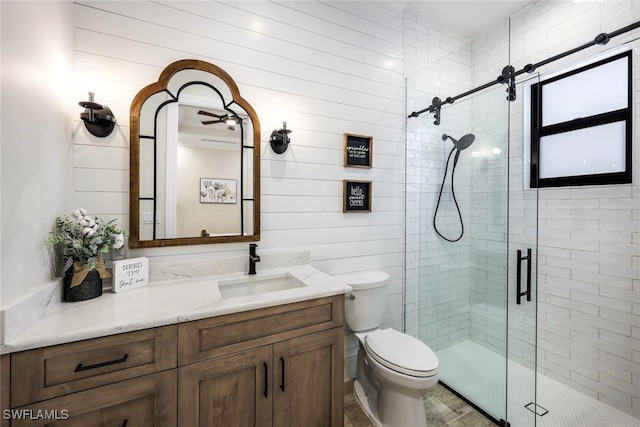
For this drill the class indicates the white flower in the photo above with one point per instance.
(84, 238)
(119, 241)
(79, 213)
(90, 221)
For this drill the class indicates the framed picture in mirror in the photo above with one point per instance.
(216, 190)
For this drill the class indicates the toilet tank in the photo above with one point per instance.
(364, 307)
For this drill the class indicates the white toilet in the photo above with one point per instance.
(394, 369)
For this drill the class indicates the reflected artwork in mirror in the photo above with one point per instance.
(195, 160)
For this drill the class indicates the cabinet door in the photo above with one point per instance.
(308, 385)
(234, 390)
(145, 401)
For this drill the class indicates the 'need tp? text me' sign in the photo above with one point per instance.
(130, 274)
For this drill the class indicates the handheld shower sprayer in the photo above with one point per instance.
(461, 144)
(458, 145)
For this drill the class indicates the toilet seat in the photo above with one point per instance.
(401, 353)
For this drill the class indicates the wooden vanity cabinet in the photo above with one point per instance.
(273, 367)
(280, 366)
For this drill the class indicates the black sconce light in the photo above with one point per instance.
(97, 118)
(280, 139)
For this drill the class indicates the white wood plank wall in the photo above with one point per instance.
(327, 68)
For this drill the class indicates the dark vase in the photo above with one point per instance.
(91, 286)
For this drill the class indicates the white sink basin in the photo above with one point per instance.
(255, 285)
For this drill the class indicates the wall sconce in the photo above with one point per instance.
(97, 118)
(280, 139)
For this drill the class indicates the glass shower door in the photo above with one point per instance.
(464, 247)
(522, 259)
(474, 217)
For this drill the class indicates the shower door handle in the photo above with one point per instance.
(519, 293)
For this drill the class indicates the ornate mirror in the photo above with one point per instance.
(195, 160)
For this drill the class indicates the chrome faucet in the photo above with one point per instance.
(253, 258)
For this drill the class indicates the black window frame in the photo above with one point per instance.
(538, 131)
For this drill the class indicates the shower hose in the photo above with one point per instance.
(453, 193)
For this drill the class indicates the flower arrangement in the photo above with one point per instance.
(84, 239)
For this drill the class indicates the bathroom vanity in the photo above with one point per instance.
(267, 353)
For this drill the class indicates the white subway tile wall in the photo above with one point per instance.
(588, 255)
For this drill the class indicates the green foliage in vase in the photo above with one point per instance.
(84, 238)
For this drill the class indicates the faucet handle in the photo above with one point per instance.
(252, 250)
(253, 258)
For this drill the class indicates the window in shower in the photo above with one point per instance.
(581, 125)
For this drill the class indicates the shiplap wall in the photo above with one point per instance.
(326, 68)
(37, 70)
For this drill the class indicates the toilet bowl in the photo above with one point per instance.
(394, 369)
(400, 369)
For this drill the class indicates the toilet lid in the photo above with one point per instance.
(402, 353)
(368, 280)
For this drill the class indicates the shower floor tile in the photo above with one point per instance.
(567, 407)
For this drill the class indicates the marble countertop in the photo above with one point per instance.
(165, 303)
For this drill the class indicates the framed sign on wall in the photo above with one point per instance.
(358, 151)
(356, 196)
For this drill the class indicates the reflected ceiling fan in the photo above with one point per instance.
(231, 121)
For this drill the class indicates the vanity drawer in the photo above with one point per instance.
(146, 401)
(216, 336)
(55, 371)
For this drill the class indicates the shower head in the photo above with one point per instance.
(463, 142)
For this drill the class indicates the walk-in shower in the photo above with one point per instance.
(504, 280)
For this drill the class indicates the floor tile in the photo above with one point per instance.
(442, 407)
